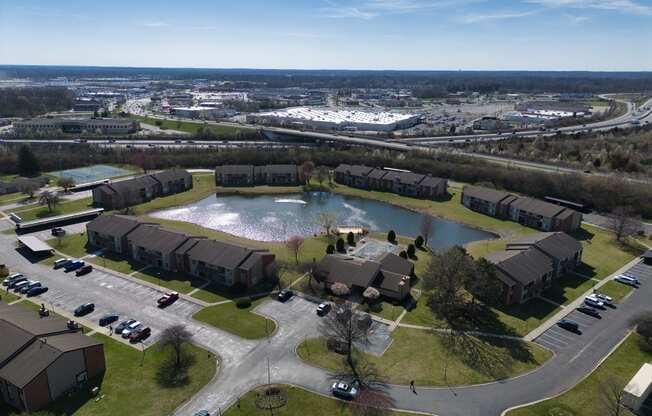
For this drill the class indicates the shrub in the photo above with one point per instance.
(403, 254)
(330, 249)
(350, 238)
(391, 236)
(243, 303)
(340, 245)
(340, 289)
(411, 250)
(418, 242)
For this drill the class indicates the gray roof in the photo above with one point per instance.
(377, 173)
(404, 177)
(432, 181)
(525, 266)
(536, 206)
(558, 245)
(278, 169)
(115, 225)
(354, 170)
(129, 185)
(348, 270)
(235, 169)
(171, 175)
(485, 194)
(395, 264)
(154, 238)
(218, 253)
(387, 280)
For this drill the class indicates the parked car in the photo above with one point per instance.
(84, 309)
(108, 319)
(84, 270)
(35, 291)
(607, 300)
(19, 285)
(323, 309)
(593, 302)
(631, 281)
(167, 299)
(123, 325)
(10, 279)
(140, 334)
(58, 231)
(285, 294)
(589, 311)
(569, 325)
(202, 413)
(344, 390)
(74, 265)
(61, 263)
(28, 286)
(131, 328)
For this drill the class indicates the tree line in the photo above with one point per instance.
(32, 101)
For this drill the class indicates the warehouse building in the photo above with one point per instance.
(77, 125)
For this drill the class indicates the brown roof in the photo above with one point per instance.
(387, 280)
(558, 245)
(171, 175)
(116, 225)
(523, 266)
(218, 253)
(485, 194)
(395, 264)
(348, 270)
(154, 238)
(536, 206)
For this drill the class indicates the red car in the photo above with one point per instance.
(140, 334)
(167, 299)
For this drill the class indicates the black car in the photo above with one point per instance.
(589, 311)
(84, 270)
(84, 309)
(108, 319)
(285, 294)
(35, 291)
(569, 325)
(57, 231)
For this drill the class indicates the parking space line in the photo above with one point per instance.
(551, 342)
(555, 339)
(561, 335)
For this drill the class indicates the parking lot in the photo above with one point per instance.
(559, 339)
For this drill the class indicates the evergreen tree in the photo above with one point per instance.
(27, 162)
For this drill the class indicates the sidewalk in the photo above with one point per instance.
(565, 310)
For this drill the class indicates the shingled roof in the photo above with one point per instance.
(558, 245)
(525, 266)
(486, 194)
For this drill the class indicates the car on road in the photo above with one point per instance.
(61, 263)
(593, 302)
(131, 328)
(632, 281)
(35, 291)
(9, 279)
(140, 334)
(569, 325)
(202, 413)
(84, 270)
(58, 231)
(84, 309)
(108, 319)
(28, 286)
(344, 390)
(285, 294)
(607, 300)
(123, 325)
(73, 265)
(167, 299)
(323, 309)
(587, 310)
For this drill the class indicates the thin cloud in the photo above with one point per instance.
(576, 20)
(370, 9)
(623, 6)
(157, 23)
(484, 17)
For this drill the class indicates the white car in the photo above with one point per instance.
(594, 302)
(607, 300)
(632, 281)
(344, 390)
(131, 328)
(11, 278)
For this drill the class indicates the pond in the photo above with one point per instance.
(276, 217)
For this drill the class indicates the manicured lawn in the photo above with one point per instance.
(73, 245)
(203, 185)
(616, 290)
(14, 197)
(259, 190)
(568, 287)
(191, 127)
(238, 321)
(8, 296)
(601, 253)
(585, 399)
(29, 213)
(178, 282)
(300, 403)
(422, 356)
(384, 310)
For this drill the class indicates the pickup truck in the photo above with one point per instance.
(167, 299)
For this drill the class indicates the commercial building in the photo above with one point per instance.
(400, 182)
(42, 358)
(202, 112)
(336, 119)
(637, 392)
(530, 212)
(121, 194)
(77, 126)
(389, 274)
(220, 262)
(530, 265)
(250, 175)
(489, 124)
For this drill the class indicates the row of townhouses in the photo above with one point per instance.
(222, 263)
(391, 180)
(389, 274)
(121, 194)
(250, 175)
(530, 212)
(530, 265)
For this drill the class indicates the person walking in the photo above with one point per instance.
(110, 330)
(414, 390)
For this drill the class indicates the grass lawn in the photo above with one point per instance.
(8, 297)
(383, 309)
(616, 290)
(178, 282)
(584, 398)
(419, 355)
(73, 245)
(238, 321)
(14, 197)
(190, 127)
(203, 185)
(300, 402)
(568, 287)
(259, 190)
(29, 213)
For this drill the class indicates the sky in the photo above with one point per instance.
(595, 35)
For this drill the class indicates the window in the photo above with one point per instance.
(82, 377)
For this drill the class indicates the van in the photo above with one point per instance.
(632, 281)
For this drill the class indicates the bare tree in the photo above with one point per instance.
(306, 170)
(66, 182)
(346, 328)
(175, 337)
(372, 402)
(51, 199)
(327, 220)
(624, 223)
(294, 245)
(611, 396)
(426, 227)
(29, 188)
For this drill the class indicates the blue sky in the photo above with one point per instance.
(347, 34)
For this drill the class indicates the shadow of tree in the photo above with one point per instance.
(169, 375)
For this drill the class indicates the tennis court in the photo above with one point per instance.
(91, 173)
